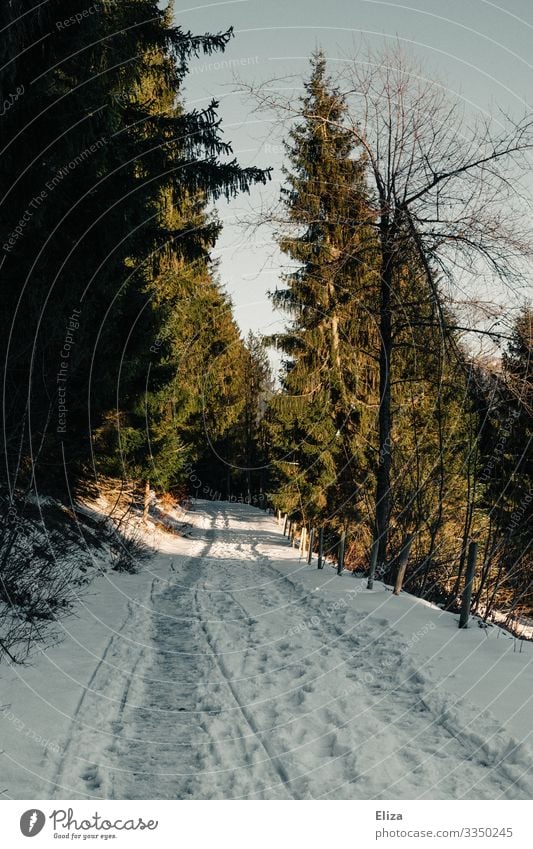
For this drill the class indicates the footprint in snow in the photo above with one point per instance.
(298, 698)
(91, 777)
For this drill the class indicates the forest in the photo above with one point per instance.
(404, 235)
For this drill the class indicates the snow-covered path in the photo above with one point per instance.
(233, 680)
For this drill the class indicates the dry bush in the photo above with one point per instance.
(42, 568)
(127, 548)
(168, 501)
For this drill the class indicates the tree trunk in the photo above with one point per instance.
(402, 563)
(469, 516)
(146, 505)
(383, 494)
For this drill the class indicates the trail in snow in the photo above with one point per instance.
(245, 685)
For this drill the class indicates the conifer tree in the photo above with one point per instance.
(505, 475)
(105, 179)
(328, 378)
(258, 387)
(211, 380)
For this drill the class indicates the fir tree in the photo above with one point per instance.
(505, 474)
(123, 173)
(329, 372)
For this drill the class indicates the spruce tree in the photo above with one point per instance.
(105, 180)
(505, 474)
(329, 374)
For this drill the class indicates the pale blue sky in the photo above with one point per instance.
(481, 50)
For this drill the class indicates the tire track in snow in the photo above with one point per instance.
(71, 739)
(216, 756)
(247, 716)
(89, 690)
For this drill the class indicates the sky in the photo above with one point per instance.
(480, 50)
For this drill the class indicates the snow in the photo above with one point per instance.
(229, 668)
